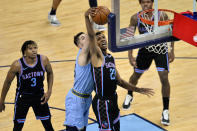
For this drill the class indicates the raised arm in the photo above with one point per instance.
(15, 67)
(49, 72)
(95, 51)
(130, 87)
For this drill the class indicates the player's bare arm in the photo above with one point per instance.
(133, 23)
(84, 56)
(95, 52)
(128, 86)
(49, 72)
(15, 68)
(171, 53)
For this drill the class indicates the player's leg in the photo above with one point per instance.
(42, 113)
(88, 102)
(161, 62)
(115, 113)
(93, 3)
(117, 126)
(104, 112)
(20, 112)
(54, 6)
(75, 108)
(165, 96)
(52, 15)
(143, 60)
(129, 97)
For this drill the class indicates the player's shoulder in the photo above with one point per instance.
(15, 66)
(134, 16)
(133, 19)
(16, 63)
(43, 57)
(109, 55)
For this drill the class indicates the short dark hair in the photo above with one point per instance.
(25, 45)
(76, 37)
(141, 1)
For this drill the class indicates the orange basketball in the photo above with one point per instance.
(101, 16)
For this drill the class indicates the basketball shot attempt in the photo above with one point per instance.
(101, 15)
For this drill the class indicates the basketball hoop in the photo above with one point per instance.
(151, 22)
(164, 25)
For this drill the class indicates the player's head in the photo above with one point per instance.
(80, 39)
(101, 41)
(146, 4)
(29, 48)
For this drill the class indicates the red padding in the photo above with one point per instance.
(185, 28)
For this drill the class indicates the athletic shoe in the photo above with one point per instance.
(165, 118)
(127, 101)
(53, 20)
(99, 27)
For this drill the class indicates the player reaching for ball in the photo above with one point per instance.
(106, 78)
(101, 15)
(97, 27)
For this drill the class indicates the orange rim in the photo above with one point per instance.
(160, 23)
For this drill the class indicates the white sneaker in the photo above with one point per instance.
(126, 105)
(53, 20)
(165, 118)
(99, 27)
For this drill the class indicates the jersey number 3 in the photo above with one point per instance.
(33, 82)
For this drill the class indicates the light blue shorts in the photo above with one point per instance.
(77, 110)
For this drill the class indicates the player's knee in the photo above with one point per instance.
(164, 79)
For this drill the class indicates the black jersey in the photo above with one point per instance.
(105, 78)
(30, 79)
(141, 27)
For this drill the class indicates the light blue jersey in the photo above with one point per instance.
(83, 82)
(79, 99)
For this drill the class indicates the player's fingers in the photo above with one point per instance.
(45, 100)
(43, 97)
(150, 91)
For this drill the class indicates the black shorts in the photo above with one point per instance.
(106, 112)
(24, 102)
(144, 60)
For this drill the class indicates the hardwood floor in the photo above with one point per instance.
(22, 20)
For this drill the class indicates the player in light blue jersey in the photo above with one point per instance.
(79, 99)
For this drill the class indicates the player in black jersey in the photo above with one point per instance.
(145, 58)
(30, 70)
(106, 79)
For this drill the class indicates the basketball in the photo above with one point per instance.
(101, 16)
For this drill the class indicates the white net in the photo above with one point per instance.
(161, 48)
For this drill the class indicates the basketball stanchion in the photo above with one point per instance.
(185, 27)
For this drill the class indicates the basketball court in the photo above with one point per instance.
(23, 20)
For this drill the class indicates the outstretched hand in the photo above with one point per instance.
(45, 97)
(146, 91)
